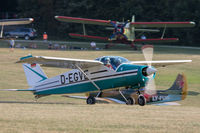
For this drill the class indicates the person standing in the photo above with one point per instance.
(45, 36)
(12, 44)
(93, 45)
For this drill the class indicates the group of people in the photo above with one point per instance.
(56, 46)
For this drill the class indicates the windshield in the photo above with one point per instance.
(115, 61)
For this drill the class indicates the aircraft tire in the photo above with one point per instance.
(90, 100)
(141, 100)
(130, 101)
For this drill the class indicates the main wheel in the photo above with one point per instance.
(90, 100)
(130, 101)
(141, 100)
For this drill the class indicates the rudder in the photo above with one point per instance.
(34, 73)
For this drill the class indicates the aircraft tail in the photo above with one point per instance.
(34, 74)
(179, 86)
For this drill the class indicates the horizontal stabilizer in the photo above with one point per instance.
(17, 90)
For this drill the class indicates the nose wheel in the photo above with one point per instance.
(141, 100)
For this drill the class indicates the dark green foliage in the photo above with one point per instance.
(43, 11)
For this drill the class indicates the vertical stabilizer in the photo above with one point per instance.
(180, 86)
(130, 31)
(34, 73)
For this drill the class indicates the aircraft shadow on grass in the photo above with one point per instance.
(34, 102)
(193, 93)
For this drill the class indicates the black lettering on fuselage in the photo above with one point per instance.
(76, 76)
(70, 77)
(81, 75)
(62, 79)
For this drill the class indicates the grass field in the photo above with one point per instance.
(20, 113)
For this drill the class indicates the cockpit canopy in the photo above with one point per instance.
(115, 61)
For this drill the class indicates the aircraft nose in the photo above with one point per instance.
(150, 71)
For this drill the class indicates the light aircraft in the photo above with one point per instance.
(177, 92)
(6, 22)
(93, 75)
(124, 32)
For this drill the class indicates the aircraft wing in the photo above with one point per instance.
(59, 62)
(161, 63)
(162, 24)
(83, 20)
(105, 39)
(16, 21)
(156, 40)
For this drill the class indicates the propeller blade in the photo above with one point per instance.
(150, 88)
(147, 51)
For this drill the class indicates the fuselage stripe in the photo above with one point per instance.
(109, 76)
(99, 72)
(47, 83)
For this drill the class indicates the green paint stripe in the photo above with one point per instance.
(43, 77)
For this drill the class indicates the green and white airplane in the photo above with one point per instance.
(92, 75)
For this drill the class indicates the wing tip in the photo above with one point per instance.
(192, 23)
(23, 58)
(31, 19)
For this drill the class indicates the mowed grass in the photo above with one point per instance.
(20, 113)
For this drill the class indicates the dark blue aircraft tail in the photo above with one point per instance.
(179, 86)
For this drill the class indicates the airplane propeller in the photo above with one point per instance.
(150, 88)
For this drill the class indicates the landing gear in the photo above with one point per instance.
(130, 101)
(141, 100)
(91, 100)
